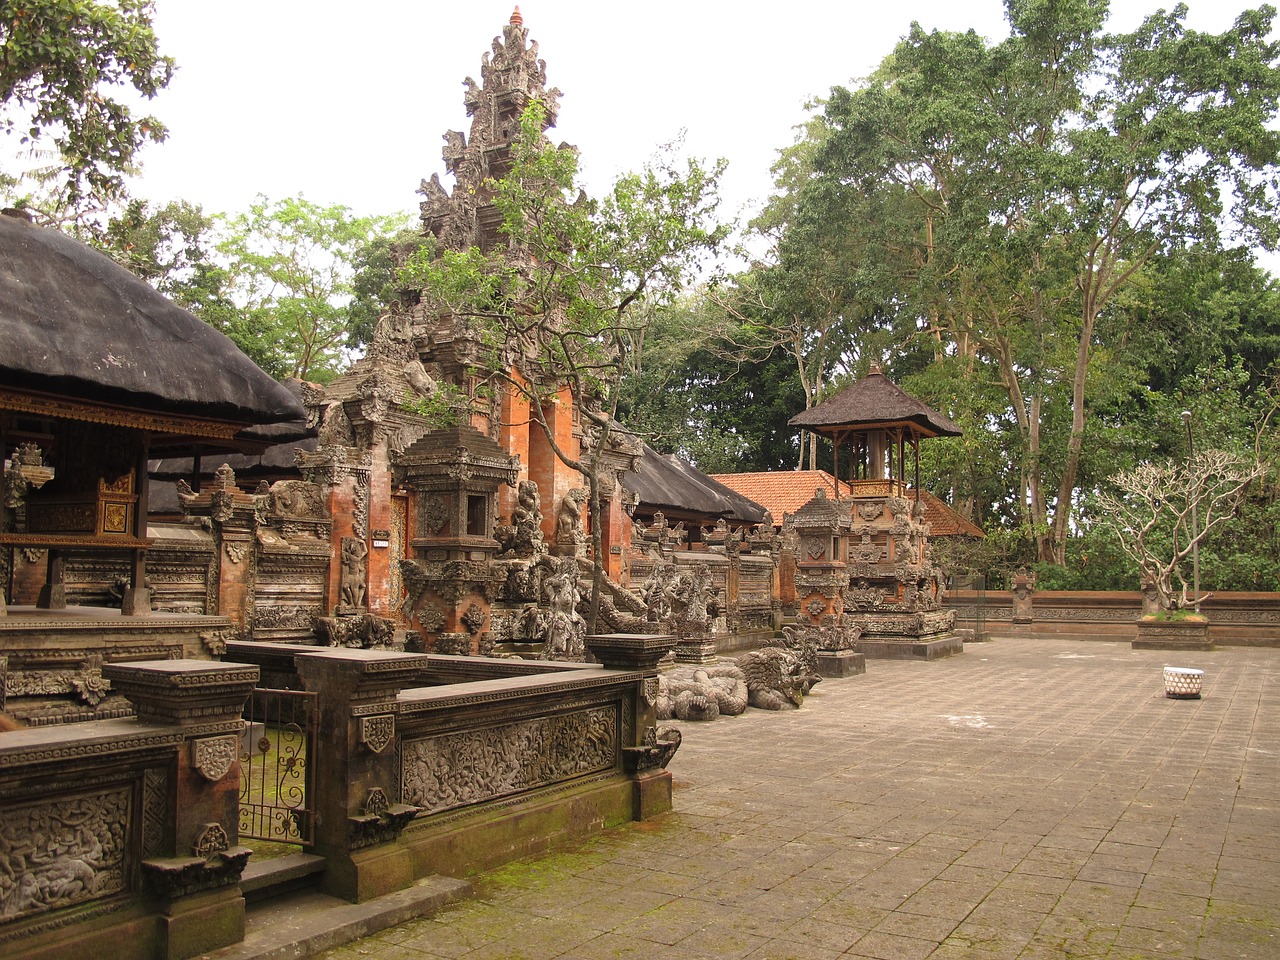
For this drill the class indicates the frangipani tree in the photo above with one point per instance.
(1162, 512)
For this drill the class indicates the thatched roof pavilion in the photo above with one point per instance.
(680, 491)
(878, 420)
(97, 372)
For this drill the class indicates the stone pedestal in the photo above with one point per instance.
(696, 649)
(1172, 635)
(646, 758)
(841, 663)
(357, 787)
(196, 885)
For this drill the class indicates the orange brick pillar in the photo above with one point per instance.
(513, 436)
(553, 478)
(381, 602)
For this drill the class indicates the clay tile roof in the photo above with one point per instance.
(875, 401)
(75, 323)
(666, 482)
(780, 491)
(786, 491)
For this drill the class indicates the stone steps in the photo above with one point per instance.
(287, 917)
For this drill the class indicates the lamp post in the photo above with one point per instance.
(1195, 521)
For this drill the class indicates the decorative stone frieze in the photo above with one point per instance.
(507, 758)
(64, 851)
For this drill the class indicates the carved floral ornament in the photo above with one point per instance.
(213, 757)
(378, 732)
(474, 618)
(376, 802)
(651, 690)
(212, 839)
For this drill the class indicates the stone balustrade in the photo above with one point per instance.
(124, 831)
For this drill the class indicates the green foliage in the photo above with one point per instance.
(1161, 513)
(1014, 205)
(61, 62)
(565, 300)
(290, 265)
(446, 406)
(375, 282)
(171, 247)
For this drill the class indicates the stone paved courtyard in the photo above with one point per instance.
(1029, 799)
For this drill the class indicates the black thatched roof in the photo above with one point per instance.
(871, 403)
(76, 324)
(285, 438)
(667, 483)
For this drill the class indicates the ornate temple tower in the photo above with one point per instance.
(363, 461)
(512, 76)
(879, 547)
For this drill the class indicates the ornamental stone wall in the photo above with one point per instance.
(1235, 619)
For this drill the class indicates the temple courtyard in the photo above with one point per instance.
(1026, 799)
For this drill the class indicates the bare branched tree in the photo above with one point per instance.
(1161, 512)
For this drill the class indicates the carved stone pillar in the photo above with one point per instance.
(233, 517)
(343, 474)
(646, 759)
(357, 782)
(1024, 585)
(196, 885)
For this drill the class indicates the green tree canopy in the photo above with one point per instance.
(63, 66)
(290, 266)
(1013, 192)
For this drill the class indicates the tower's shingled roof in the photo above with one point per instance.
(874, 402)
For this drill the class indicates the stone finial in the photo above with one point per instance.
(516, 19)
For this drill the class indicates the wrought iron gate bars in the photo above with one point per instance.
(275, 767)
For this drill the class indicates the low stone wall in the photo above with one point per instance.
(51, 661)
(431, 764)
(118, 837)
(1235, 619)
(504, 768)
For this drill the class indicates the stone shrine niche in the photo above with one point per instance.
(450, 579)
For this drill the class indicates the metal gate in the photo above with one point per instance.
(275, 766)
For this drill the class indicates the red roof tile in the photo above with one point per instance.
(786, 491)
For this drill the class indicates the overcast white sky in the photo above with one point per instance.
(347, 102)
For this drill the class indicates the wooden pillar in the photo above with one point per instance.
(137, 596)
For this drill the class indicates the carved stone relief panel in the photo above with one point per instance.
(454, 770)
(62, 852)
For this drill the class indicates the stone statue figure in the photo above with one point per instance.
(526, 518)
(569, 529)
(565, 628)
(352, 588)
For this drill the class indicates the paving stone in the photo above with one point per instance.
(1024, 800)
